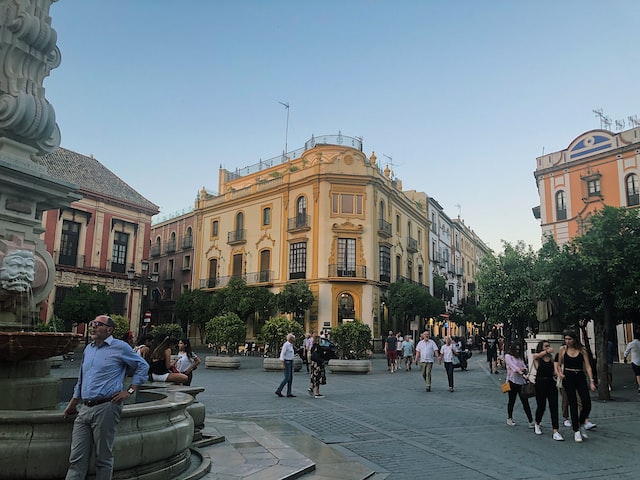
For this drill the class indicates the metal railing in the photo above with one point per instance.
(237, 236)
(68, 260)
(187, 242)
(356, 271)
(155, 250)
(412, 245)
(171, 246)
(251, 278)
(298, 222)
(384, 227)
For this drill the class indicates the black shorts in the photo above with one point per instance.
(492, 355)
(636, 369)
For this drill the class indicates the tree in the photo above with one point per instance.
(226, 330)
(195, 307)
(84, 303)
(506, 283)
(596, 276)
(440, 289)
(237, 298)
(275, 330)
(407, 300)
(295, 298)
(353, 340)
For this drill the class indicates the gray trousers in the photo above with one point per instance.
(94, 431)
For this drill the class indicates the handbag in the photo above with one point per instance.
(533, 373)
(505, 387)
(528, 390)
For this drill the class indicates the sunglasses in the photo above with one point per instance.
(96, 323)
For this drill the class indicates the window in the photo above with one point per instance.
(266, 216)
(385, 263)
(214, 228)
(561, 206)
(186, 262)
(398, 266)
(346, 257)
(187, 241)
(239, 222)
(410, 270)
(170, 270)
(171, 244)
(298, 260)
(213, 272)
(633, 192)
(119, 252)
(69, 243)
(397, 224)
(381, 210)
(265, 265)
(593, 187)
(420, 275)
(346, 204)
(237, 265)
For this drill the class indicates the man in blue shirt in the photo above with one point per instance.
(100, 387)
(286, 356)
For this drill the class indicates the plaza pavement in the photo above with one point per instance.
(384, 425)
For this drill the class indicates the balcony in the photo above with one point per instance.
(298, 223)
(412, 245)
(384, 228)
(401, 279)
(171, 246)
(459, 271)
(208, 282)
(358, 272)
(385, 277)
(68, 260)
(251, 278)
(237, 237)
(155, 250)
(187, 243)
(168, 277)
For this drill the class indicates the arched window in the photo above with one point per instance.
(187, 241)
(633, 192)
(265, 266)
(561, 206)
(301, 212)
(381, 213)
(239, 222)
(171, 244)
(346, 308)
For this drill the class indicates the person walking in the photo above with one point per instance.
(572, 363)
(491, 346)
(546, 390)
(286, 357)
(390, 349)
(407, 352)
(447, 352)
(633, 350)
(162, 368)
(308, 345)
(100, 387)
(187, 361)
(426, 353)
(516, 369)
(318, 375)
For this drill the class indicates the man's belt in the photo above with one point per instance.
(97, 401)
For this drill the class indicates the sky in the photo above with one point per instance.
(462, 95)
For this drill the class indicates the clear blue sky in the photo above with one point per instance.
(463, 95)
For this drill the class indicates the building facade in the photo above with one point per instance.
(325, 214)
(101, 239)
(597, 168)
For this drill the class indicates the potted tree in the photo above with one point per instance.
(353, 345)
(225, 331)
(274, 334)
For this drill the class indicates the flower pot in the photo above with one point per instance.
(349, 366)
(275, 364)
(213, 361)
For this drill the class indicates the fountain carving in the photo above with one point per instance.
(155, 433)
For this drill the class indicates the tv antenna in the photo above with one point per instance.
(633, 120)
(391, 163)
(286, 131)
(604, 120)
(459, 207)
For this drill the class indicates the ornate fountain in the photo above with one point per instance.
(155, 433)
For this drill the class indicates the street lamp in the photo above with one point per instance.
(131, 275)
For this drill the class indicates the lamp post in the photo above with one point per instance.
(131, 275)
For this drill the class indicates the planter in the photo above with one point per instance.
(349, 366)
(213, 361)
(274, 364)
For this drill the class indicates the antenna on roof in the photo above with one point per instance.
(459, 207)
(286, 131)
(391, 163)
(604, 120)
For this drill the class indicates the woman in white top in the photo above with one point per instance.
(633, 349)
(447, 353)
(187, 361)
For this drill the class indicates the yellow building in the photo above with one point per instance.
(598, 168)
(325, 214)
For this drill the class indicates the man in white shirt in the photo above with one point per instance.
(286, 356)
(426, 353)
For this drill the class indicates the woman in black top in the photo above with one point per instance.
(546, 390)
(572, 363)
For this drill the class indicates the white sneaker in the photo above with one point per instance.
(577, 437)
(589, 425)
(558, 437)
(583, 433)
(567, 423)
(510, 422)
(537, 430)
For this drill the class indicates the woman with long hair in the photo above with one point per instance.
(572, 363)
(546, 390)
(447, 353)
(187, 361)
(516, 369)
(161, 364)
(318, 374)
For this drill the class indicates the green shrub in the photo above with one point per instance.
(122, 326)
(352, 339)
(275, 331)
(226, 330)
(54, 325)
(167, 330)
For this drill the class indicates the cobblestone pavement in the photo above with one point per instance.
(390, 424)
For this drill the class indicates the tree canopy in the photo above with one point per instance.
(295, 298)
(84, 303)
(407, 301)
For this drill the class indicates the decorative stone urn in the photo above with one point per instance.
(274, 364)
